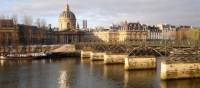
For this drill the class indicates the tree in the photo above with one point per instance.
(38, 22)
(43, 23)
(2, 16)
(27, 20)
(15, 19)
(193, 34)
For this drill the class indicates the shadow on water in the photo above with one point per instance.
(114, 72)
(141, 79)
(183, 83)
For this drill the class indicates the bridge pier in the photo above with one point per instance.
(86, 54)
(97, 56)
(132, 63)
(179, 67)
(114, 59)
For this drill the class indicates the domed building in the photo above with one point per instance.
(67, 20)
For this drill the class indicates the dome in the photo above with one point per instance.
(67, 20)
(68, 14)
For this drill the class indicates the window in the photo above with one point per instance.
(68, 25)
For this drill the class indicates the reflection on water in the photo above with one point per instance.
(85, 62)
(96, 67)
(114, 72)
(2, 62)
(63, 80)
(184, 83)
(75, 73)
(141, 79)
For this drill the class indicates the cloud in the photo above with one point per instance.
(106, 12)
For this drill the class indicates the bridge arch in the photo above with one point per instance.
(117, 49)
(141, 51)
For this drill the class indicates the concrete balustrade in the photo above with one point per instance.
(132, 63)
(180, 68)
(115, 59)
(97, 56)
(86, 54)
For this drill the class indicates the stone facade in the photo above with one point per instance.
(154, 33)
(132, 63)
(8, 33)
(114, 59)
(114, 36)
(168, 32)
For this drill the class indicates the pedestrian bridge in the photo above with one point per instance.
(156, 49)
(135, 48)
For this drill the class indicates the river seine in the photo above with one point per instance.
(73, 73)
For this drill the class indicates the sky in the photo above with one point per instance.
(108, 12)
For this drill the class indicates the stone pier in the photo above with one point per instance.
(97, 56)
(86, 54)
(115, 59)
(148, 62)
(180, 67)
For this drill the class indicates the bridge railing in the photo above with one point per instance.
(159, 43)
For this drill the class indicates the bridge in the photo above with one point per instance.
(28, 48)
(182, 59)
(156, 48)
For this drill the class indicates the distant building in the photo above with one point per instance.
(6, 23)
(115, 27)
(136, 27)
(133, 26)
(126, 32)
(85, 24)
(168, 31)
(154, 33)
(133, 31)
(67, 20)
(185, 27)
(8, 32)
(30, 35)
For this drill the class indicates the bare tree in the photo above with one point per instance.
(2, 16)
(27, 20)
(15, 19)
(38, 22)
(7, 17)
(43, 23)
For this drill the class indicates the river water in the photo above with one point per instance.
(73, 73)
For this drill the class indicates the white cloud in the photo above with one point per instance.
(105, 12)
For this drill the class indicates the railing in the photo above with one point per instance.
(157, 43)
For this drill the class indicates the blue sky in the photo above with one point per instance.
(106, 12)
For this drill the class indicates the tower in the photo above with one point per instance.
(84, 24)
(77, 27)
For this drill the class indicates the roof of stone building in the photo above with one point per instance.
(6, 23)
